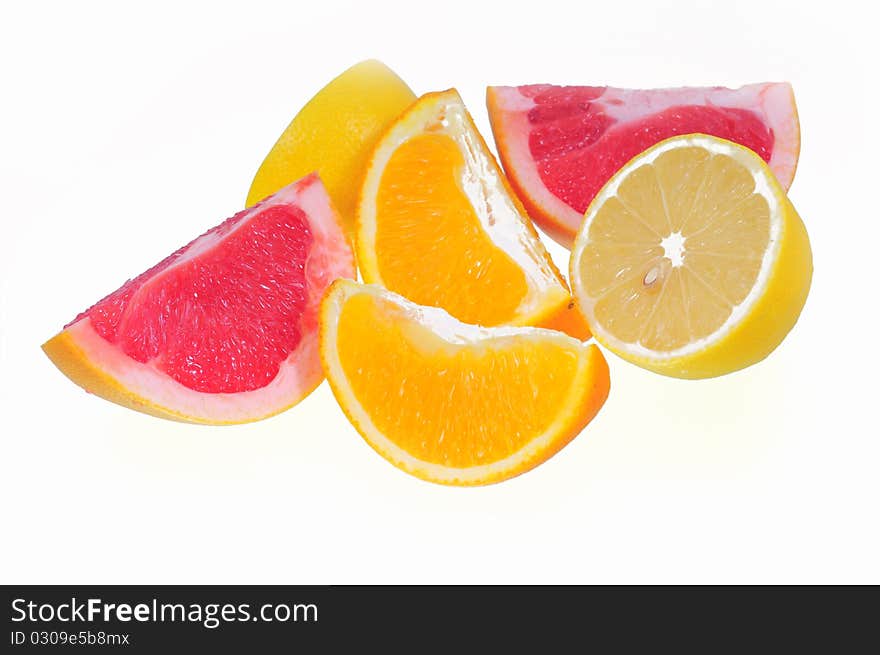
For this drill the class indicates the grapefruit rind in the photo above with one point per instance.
(761, 321)
(510, 127)
(549, 301)
(588, 390)
(508, 116)
(103, 369)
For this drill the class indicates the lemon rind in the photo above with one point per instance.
(765, 185)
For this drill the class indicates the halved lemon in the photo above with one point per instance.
(449, 402)
(438, 223)
(691, 261)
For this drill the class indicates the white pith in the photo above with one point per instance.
(299, 374)
(763, 187)
(674, 248)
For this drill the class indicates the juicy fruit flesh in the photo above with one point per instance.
(578, 146)
(424, 210)
(520, 385)
(439, 225)
(221, 314)
(677, 248)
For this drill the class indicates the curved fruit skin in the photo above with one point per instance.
(588, 392)
(103, 369)
(94, 365)
(333, 134)
(508, 116)
(769, 320)
(512, 145)
(587, 411)
(71, 360)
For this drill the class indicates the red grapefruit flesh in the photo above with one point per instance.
(224, 330)
(560, 144)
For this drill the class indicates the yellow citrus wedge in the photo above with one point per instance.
(333, 135)
(691, 261)
(449, 402)
(438, 223)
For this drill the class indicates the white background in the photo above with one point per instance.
(127, 132)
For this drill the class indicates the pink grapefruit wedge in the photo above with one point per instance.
(560, 144)
(224, 330)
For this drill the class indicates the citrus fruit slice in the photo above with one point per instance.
(333, 134)
(692, 261)
(224, 330)
(438, 224)
(561, 144)
(450, 402)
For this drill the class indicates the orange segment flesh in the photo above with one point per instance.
(438, 224)
(450, 402)
(465, 441)
(424, 210)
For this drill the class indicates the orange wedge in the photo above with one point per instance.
(438, 223)
(449, 402)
